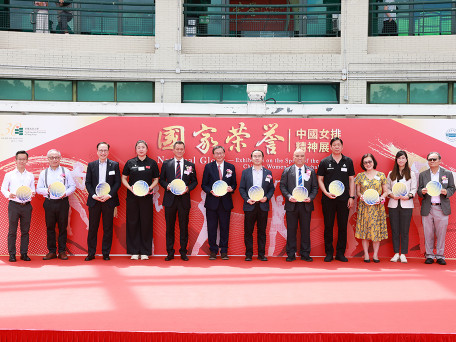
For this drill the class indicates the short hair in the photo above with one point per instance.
(437, 153)
(104, 143)
(366, 156)
(257, 150)
(179, 142)
(21, 152)
(141, 142)
(53, 151)
(336, 139)
(217, 147)
(299, 149)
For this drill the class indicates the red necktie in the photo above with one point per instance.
(220, 172)
(178, 170)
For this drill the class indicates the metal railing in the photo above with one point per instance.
(412, 18)
(250, 20)
(80, 17)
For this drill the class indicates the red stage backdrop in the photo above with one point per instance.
(76, 138)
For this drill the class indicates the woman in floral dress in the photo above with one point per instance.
(371, 219)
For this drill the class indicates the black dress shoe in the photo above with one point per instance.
(376, 260)
(307, 258)
(169, 257)
(429, 261)
(184, 257)
(89, 257)
(262, 258)
(224, 256)
(341, 258)
(248, 258)
(12, 258)
(328, 258)
(213, 256)
(106, 257)
(25, 257)
(367, 260)
(441, 261)
(291, 258)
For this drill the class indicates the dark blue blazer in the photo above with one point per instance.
(288, 183)
(247, 183)
(210, 176)
(113, 180)
(168, 174)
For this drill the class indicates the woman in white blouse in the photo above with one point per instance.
(401, 207)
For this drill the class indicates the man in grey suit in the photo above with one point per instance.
(256, 211)
(295, 175)
(435, 210)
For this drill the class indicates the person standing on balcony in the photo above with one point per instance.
(389, 20)
(63, 16)
(42, 17)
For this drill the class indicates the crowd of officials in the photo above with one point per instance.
(370, 224)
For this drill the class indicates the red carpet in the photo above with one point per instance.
(124, 299)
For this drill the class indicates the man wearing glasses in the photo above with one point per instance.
(435, 210)
(55, 209)
(101, 171)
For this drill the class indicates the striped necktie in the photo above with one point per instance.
(178, 170)
(300, 177)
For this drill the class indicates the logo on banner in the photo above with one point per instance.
(451, 135)
(15, 131)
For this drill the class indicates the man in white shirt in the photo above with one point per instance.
(55, 209)
(389, 19)
(18, 210)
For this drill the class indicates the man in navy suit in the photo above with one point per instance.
(256, 211)
(101, 171)
(295, 175)
(218, 208)
(177, 168)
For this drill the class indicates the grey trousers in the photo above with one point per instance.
(435, 226)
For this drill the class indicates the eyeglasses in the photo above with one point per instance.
(367, 162)
(53, 158)
(432, 159)
(103, 151)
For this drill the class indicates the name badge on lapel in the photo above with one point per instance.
(343, 169)
(111, 173)
(141, 168)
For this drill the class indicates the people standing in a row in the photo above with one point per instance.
(55, 209)
(298, 213)
(256, 211)
(177, 168)
(18, 211)
(140, 216)
(400, 208)
(435, 210)
(336, 167)
(101, 171)
(218, 208)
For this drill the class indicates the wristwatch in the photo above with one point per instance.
(352, 197)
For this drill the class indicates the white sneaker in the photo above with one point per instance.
(403, 258)
(135, 257)
(395, 258)
(144, 257)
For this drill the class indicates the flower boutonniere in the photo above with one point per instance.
(229, 173)
(188, 170)
(268, 178)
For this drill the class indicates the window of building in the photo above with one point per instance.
(281, 93)
(58, 90)
(413, 92)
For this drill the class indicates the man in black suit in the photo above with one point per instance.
(218, 208)
(177, 168)
(256, 211)
(295, 175)
(101, 171)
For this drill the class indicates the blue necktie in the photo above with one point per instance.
(300, 177)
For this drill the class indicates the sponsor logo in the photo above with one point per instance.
(451, 134)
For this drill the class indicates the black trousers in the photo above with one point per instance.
(389, 28)
(331, 208)
(302, 217)
(95, 213)
(400, 225)
(218, 218)
(23, 213)
(56, 213)
(170, 217)
(261, 218)
(139, 225)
